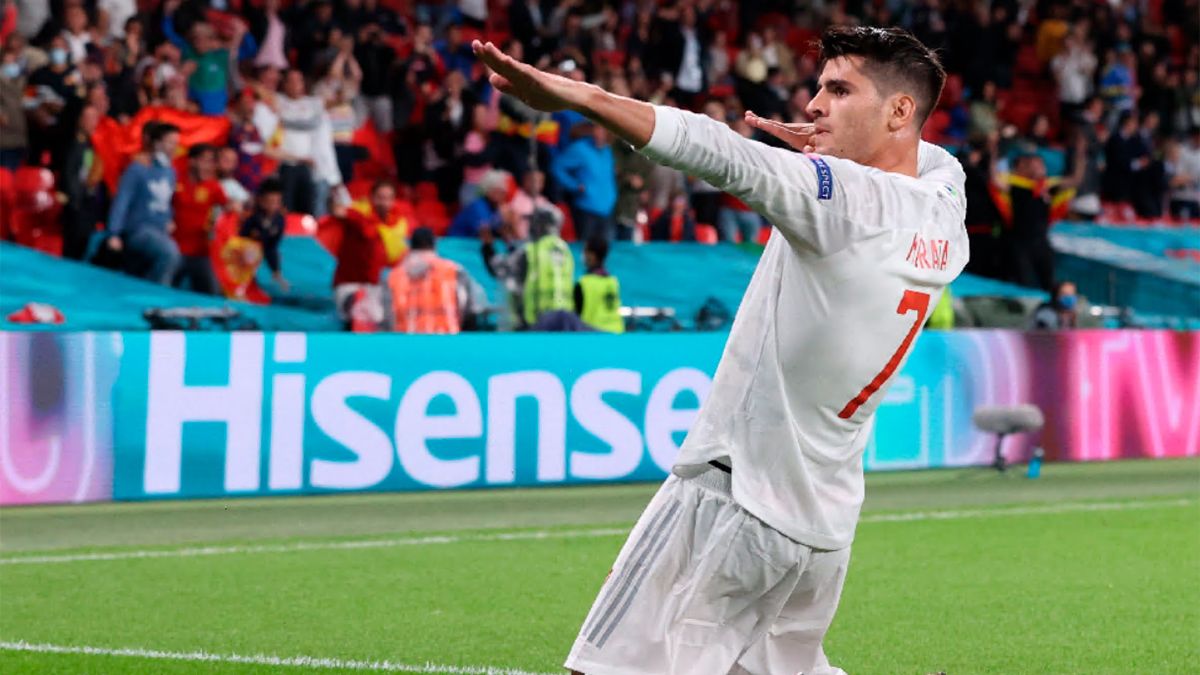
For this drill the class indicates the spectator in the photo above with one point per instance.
(315, 33)
(982, 218)
(484, 211)
(455, 53)
(684, 55)
(375, 58)
(1125, 154)
(413, 80)
(1059, 313)
(587, 173)
(508, 266)
(270, 32)
(1031, 197)
(76, 31)
(81, 185)
(247, 140)
(124, 57)
(373, 239)
(338, 89)
(196, 201)
(1183, 176)
(1116, 82)
(236, 194)
(676, 223)
(1074, 68)
(448, 121)
(632, 170)
(14, 134)
(140, 221)
(308, 167)
(1089, 148)
(58, 88)
(476, 154)
(598, 293)
(265, 226)
(430, 294)
(116, 14)
(529, 200)
(1149, 180)
(209, 65)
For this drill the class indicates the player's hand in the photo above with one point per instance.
(797, 135)
(539, 90)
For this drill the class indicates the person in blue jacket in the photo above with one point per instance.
(587, 175)
(141, 219)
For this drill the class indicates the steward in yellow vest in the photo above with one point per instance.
(598, 293)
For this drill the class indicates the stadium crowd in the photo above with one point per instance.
(181, 134)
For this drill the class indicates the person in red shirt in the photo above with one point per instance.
(374, 237)
(197, 196)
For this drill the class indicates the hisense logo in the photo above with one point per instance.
(483, 419)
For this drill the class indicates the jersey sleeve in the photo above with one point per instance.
(818, 202)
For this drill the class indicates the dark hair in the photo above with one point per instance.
(598, 246)
(422, 239)
(895, 60)
(382, 183)
(200, 149)
(154, 132)
(269, 186)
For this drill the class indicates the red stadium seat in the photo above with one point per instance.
(568, 223)
(7, 195)
(34, 220)
(299, 225)
(434, 215)
(706, 234)
(427, 191)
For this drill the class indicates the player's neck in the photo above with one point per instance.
(897, 156)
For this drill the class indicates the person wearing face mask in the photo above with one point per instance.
(58, 89)
(14, 134)
(141, 219)
(1059, 313)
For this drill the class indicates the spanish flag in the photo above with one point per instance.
(546, 131)
(115, 143)
(1060, 197)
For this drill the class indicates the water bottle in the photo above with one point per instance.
(1035, 464)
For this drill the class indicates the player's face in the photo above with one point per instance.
(848, 111)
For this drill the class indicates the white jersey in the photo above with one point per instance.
(830, 315)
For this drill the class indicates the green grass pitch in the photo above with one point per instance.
(1089, 569)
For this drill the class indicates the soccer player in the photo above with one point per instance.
(737, 564)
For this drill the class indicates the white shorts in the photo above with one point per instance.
(702, 587)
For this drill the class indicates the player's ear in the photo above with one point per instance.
(902, 108)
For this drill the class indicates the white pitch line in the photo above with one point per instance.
(191, 552)
(314, 546)
(1065, 507)
(263, 660)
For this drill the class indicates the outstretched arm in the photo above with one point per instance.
(629, 119)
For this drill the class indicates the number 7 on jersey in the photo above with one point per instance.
(913, 301)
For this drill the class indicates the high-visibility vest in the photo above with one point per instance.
(942, 317)
(602, 303)
(429, 303)
(549, 273)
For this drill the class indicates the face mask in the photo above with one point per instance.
(10, 70)
(58, 56)
(1067, 301)
(161, 159)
